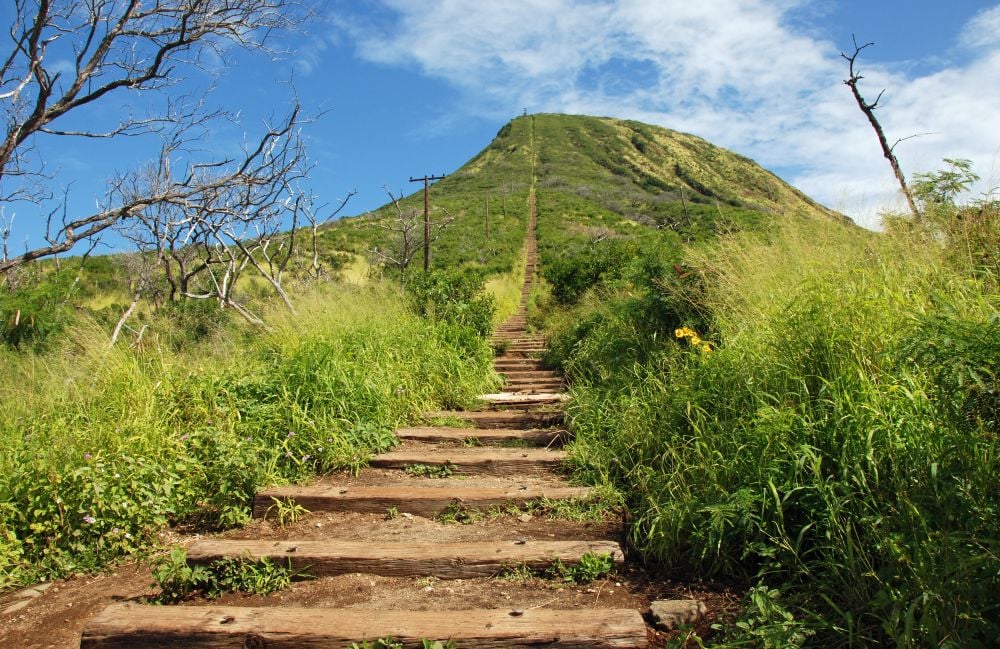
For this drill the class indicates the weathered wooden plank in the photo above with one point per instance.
(419, 500)
(134, 626)
(531, 374)
(470, 461)
(443, 560)
(523, 353)
(501, 419)
(514, 399)
(535, 382)
(484, 436)
(518, 365)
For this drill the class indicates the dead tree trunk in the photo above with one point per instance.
(869, 110)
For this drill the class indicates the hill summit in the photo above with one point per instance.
(597, 173)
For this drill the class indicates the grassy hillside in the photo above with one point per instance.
(783, 400)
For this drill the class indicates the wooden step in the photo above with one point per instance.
(534, 379)
(134, 626)
(503, 363)
(413, 499)
(519, 354)
(403, 559)
(513, 399)
(495, 419)
(534, 385)
(531, 374)
(466, 461)
(484, 436)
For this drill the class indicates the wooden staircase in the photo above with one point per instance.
(514, 442)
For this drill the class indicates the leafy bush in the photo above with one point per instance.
(453, 297)
(103, 447)
(837, 444)
(40, 310)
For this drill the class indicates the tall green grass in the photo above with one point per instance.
(102, 447)
(835, 448)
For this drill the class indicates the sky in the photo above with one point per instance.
(403, 88)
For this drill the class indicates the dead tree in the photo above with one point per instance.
(405, 230)
(869, 110)
(68, 56)
(214, 221)
(312, 215)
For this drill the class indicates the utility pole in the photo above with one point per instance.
(426, 180)
(487, 213)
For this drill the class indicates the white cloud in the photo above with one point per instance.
(984, 29)
(728, 70)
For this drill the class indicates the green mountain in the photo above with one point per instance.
(596, 176)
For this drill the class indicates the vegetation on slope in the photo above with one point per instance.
(811, 410)
(103, 447)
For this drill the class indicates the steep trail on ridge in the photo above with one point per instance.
(386, 571)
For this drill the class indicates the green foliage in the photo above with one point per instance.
(177, 580)
(39, 310)
(766, 624)
(944, 186)
(390, 643)
(285, 511)
(455, 298)
(838, 445)
(445, 470)
(104, 447)
(591, 566)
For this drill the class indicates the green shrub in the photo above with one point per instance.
(34, 314)
(453, 297)
(837, 444)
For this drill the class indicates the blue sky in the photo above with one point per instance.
(408, 88)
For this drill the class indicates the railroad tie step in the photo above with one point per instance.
(418, 500)
(484, 436)
(531, 374)
(131, 626)
(515, 400)
(517, 364)
(548, 386)
(473, 461)
(468, 560)
(501, 419)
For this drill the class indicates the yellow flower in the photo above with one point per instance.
(685, 332)
(706, 349)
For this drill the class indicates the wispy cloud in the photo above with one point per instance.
(736, 72)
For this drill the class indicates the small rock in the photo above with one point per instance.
(525, 518)
(319, 524)
(407, 515)
(516, 612)
(669, 614)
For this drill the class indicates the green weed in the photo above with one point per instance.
(286, 511)
(105, 447)
(178, 581)
(591, 566)
(445, 470)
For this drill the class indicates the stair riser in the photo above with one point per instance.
(416, 501)
(131, 626)
(445, 561)
(500, 467)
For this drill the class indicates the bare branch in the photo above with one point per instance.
(869, 111)
(100, 48)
